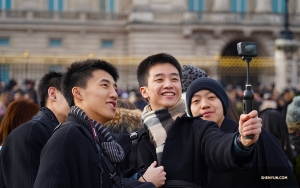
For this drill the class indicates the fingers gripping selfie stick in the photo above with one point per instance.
(247, 50)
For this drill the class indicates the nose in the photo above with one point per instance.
(168, 83)
(204, 104)
(113, 94)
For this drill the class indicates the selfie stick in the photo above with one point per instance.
(248, 93)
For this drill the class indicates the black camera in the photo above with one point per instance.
(247, 49)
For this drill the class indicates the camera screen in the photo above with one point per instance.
(250, 49)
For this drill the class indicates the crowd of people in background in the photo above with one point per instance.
(266, 96)
(279, 112)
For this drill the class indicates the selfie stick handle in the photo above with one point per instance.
(248, 93)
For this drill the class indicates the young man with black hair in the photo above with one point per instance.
(207, 96)
(20, 154)
(186, 146)
(82, 152)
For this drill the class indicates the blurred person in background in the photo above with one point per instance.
(30, 90)
(140, 102)
(4, 101)
(286, 98)
(274, 122)
(127, 118)
(125, 103)
(293, 124)
(17, 113)
(18, 94)
(25, 143)
(268, 102)
(12, 87)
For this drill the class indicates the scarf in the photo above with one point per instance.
(159, 122)
(110, 147)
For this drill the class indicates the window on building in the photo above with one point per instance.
(107, 5)
(55, 42)
(4, 41)
(278, 6)
(107, 43)
(196, 5)
(5, 4)
(4, 73)
(238, 5)
(56, 68)
(55, 5)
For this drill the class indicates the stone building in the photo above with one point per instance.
(41, 35)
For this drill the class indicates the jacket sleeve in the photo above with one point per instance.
(218, 148)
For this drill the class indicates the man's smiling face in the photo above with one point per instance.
(164, 86)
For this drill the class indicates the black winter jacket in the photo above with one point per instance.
(70, 159)
(20, 153)
(269, 161)
(193, 145)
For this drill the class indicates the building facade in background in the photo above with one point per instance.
(41, 35)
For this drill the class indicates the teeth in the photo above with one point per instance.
(169, 94)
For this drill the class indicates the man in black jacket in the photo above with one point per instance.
(82, 152)
(207, 96)
(186, 146)
(20, 153)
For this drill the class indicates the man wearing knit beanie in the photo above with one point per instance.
(213, 96)
(208, 98)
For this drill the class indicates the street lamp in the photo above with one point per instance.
(286, 40)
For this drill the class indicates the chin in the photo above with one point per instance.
(168, 105)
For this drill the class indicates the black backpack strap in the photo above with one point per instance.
(134, 148)
(141, 164)
(135, 155)
(110, 168)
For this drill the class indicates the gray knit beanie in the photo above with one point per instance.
(293, 114)
(189, 74)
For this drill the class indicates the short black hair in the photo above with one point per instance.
(146, 64)
(80, 72)
(50, 79)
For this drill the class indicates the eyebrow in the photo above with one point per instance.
(161, 74)
(208, 92)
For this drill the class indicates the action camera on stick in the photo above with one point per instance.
(247, 50)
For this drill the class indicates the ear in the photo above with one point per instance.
(52, 93)
(144, 92)
(76, 91)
